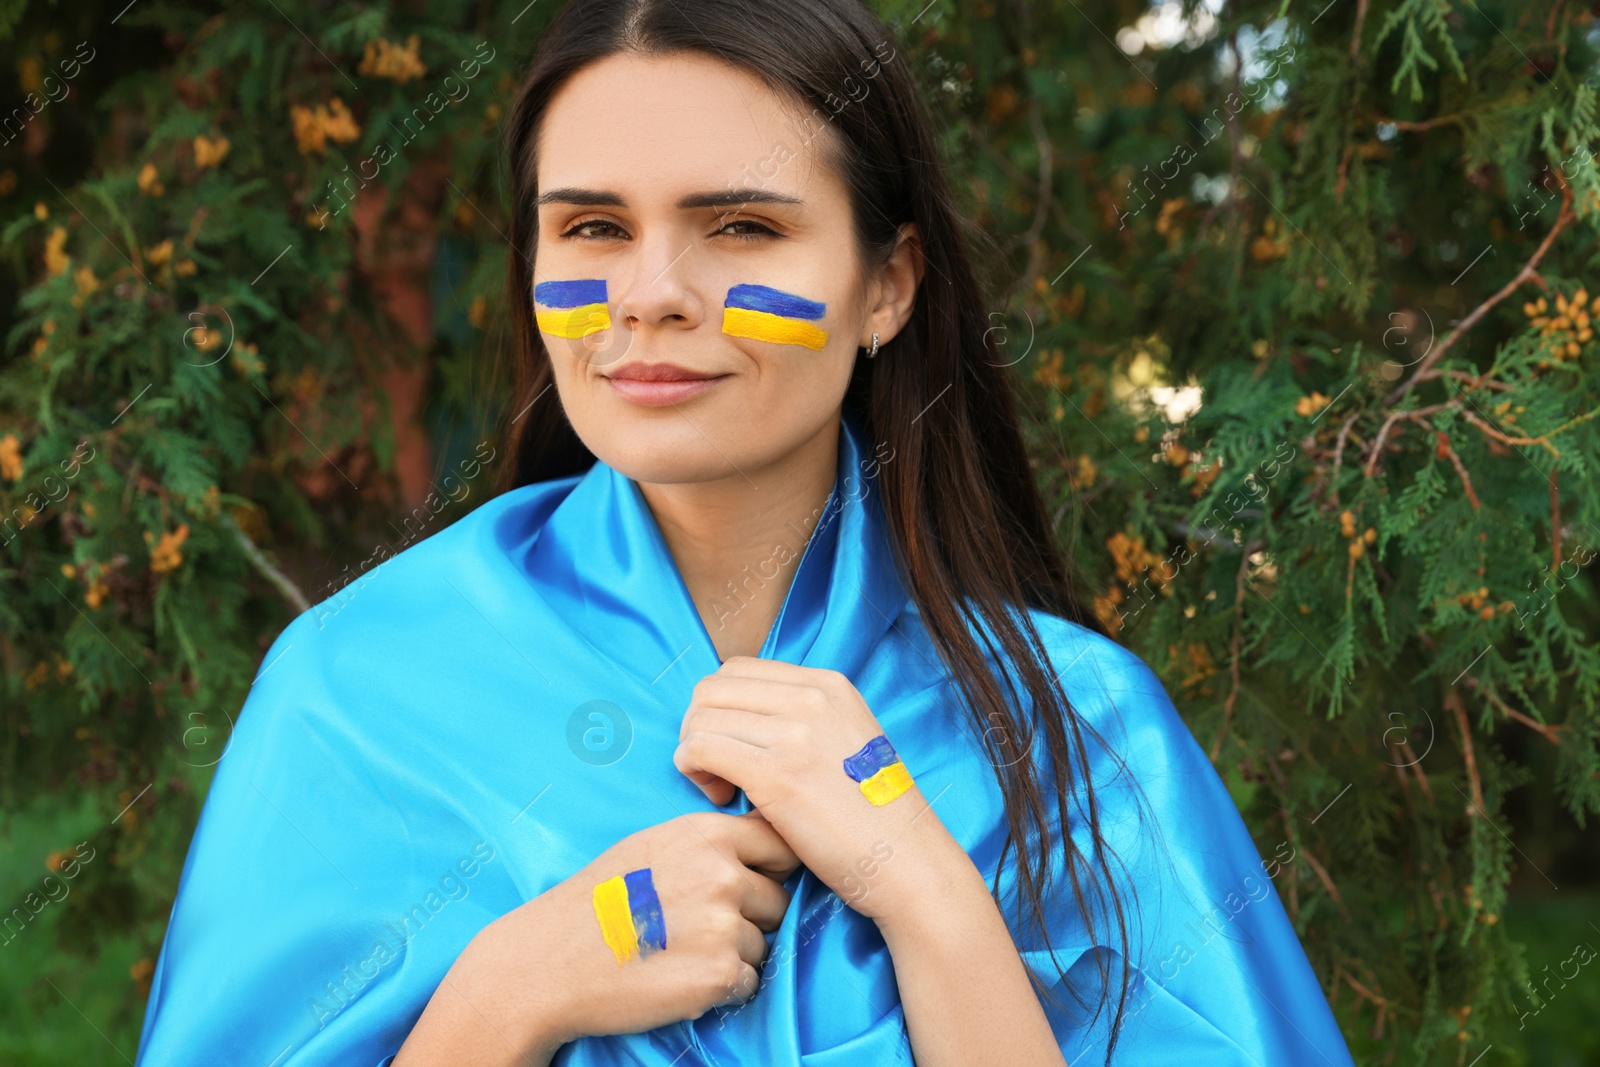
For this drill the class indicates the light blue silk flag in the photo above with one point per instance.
(481, 715)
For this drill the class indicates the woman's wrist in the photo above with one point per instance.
(929, 868)
(495, 1005)
(510, 965)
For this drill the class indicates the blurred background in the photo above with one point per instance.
(1296, 294)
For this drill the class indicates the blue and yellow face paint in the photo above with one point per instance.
(581, 307)
(879, 770)
(766, 314)
(630, 915)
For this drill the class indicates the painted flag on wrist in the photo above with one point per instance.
(879, 770)
(630, 915)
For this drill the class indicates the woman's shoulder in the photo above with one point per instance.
(411, 587)
(403, 572)
(1127, 720)
(1087, 660)
(1135, 732)
(353, 657)
(1109, 685)
(1111, 688)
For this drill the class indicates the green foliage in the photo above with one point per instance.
(1415, 18)
(1359, 565)
(1344, 263)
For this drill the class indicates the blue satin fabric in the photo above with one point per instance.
(405, 770)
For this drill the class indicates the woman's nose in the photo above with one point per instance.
(659, 291)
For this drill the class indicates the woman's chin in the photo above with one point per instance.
(666, 455)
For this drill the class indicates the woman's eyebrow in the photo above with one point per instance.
(581, 197)
(731, 197)
(717, 198)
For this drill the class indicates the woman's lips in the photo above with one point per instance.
(659, 394)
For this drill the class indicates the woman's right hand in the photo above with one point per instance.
(719, 879)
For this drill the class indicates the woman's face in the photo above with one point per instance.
(681, 203)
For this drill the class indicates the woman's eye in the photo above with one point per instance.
(580, 229)
(603, 229)
(760, 230)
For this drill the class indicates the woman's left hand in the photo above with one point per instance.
(781, 732)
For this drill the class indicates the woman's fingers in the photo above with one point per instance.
(742, 988)
(767, 696)
(764, 902)
(768, 669)
(758, 845)
(713, 762)
(752, 945)
(751, 727)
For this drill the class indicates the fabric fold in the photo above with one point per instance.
(477, 718)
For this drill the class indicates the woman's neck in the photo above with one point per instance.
(738, 541)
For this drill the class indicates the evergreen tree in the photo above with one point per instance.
(1297, 295)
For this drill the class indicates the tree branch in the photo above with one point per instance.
(259, 561)
(1338, 452)
(1428, 124)
(1233, 650)
(1549, 731)
(1466, 481)
(1503, 439)
(1421, 374)
(1452, 700)
(1355, 35)
(1383, 431)
(1041, 211)
(1555, 519)
(1327, 882)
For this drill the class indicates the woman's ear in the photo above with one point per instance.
(895, 288)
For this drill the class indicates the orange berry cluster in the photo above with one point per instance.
(209, 152)
(1476, 600)
(1568, 330)
(41, 672)
(314, 127)
(1307, 406)
(1132, 558)
(386, 59)
(1358, 543)
(150, 183)
(164, 555)
(10, 457)
(92, 573)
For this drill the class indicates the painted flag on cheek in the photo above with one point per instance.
(580, 307)
(767, 314)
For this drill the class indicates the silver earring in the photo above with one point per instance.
(874, 351)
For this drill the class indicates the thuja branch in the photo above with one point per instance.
(1550, 731)
(1461, 469)
(1452, 701)
(1503, 439)
(1367, 994)
(258, 559)
(1424, 369)
(1338, 449)
(1234, 647)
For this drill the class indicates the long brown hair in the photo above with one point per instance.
(966, 519)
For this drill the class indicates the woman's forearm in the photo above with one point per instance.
(964, 989)
(486, 1011)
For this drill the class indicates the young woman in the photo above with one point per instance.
(757, 721)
